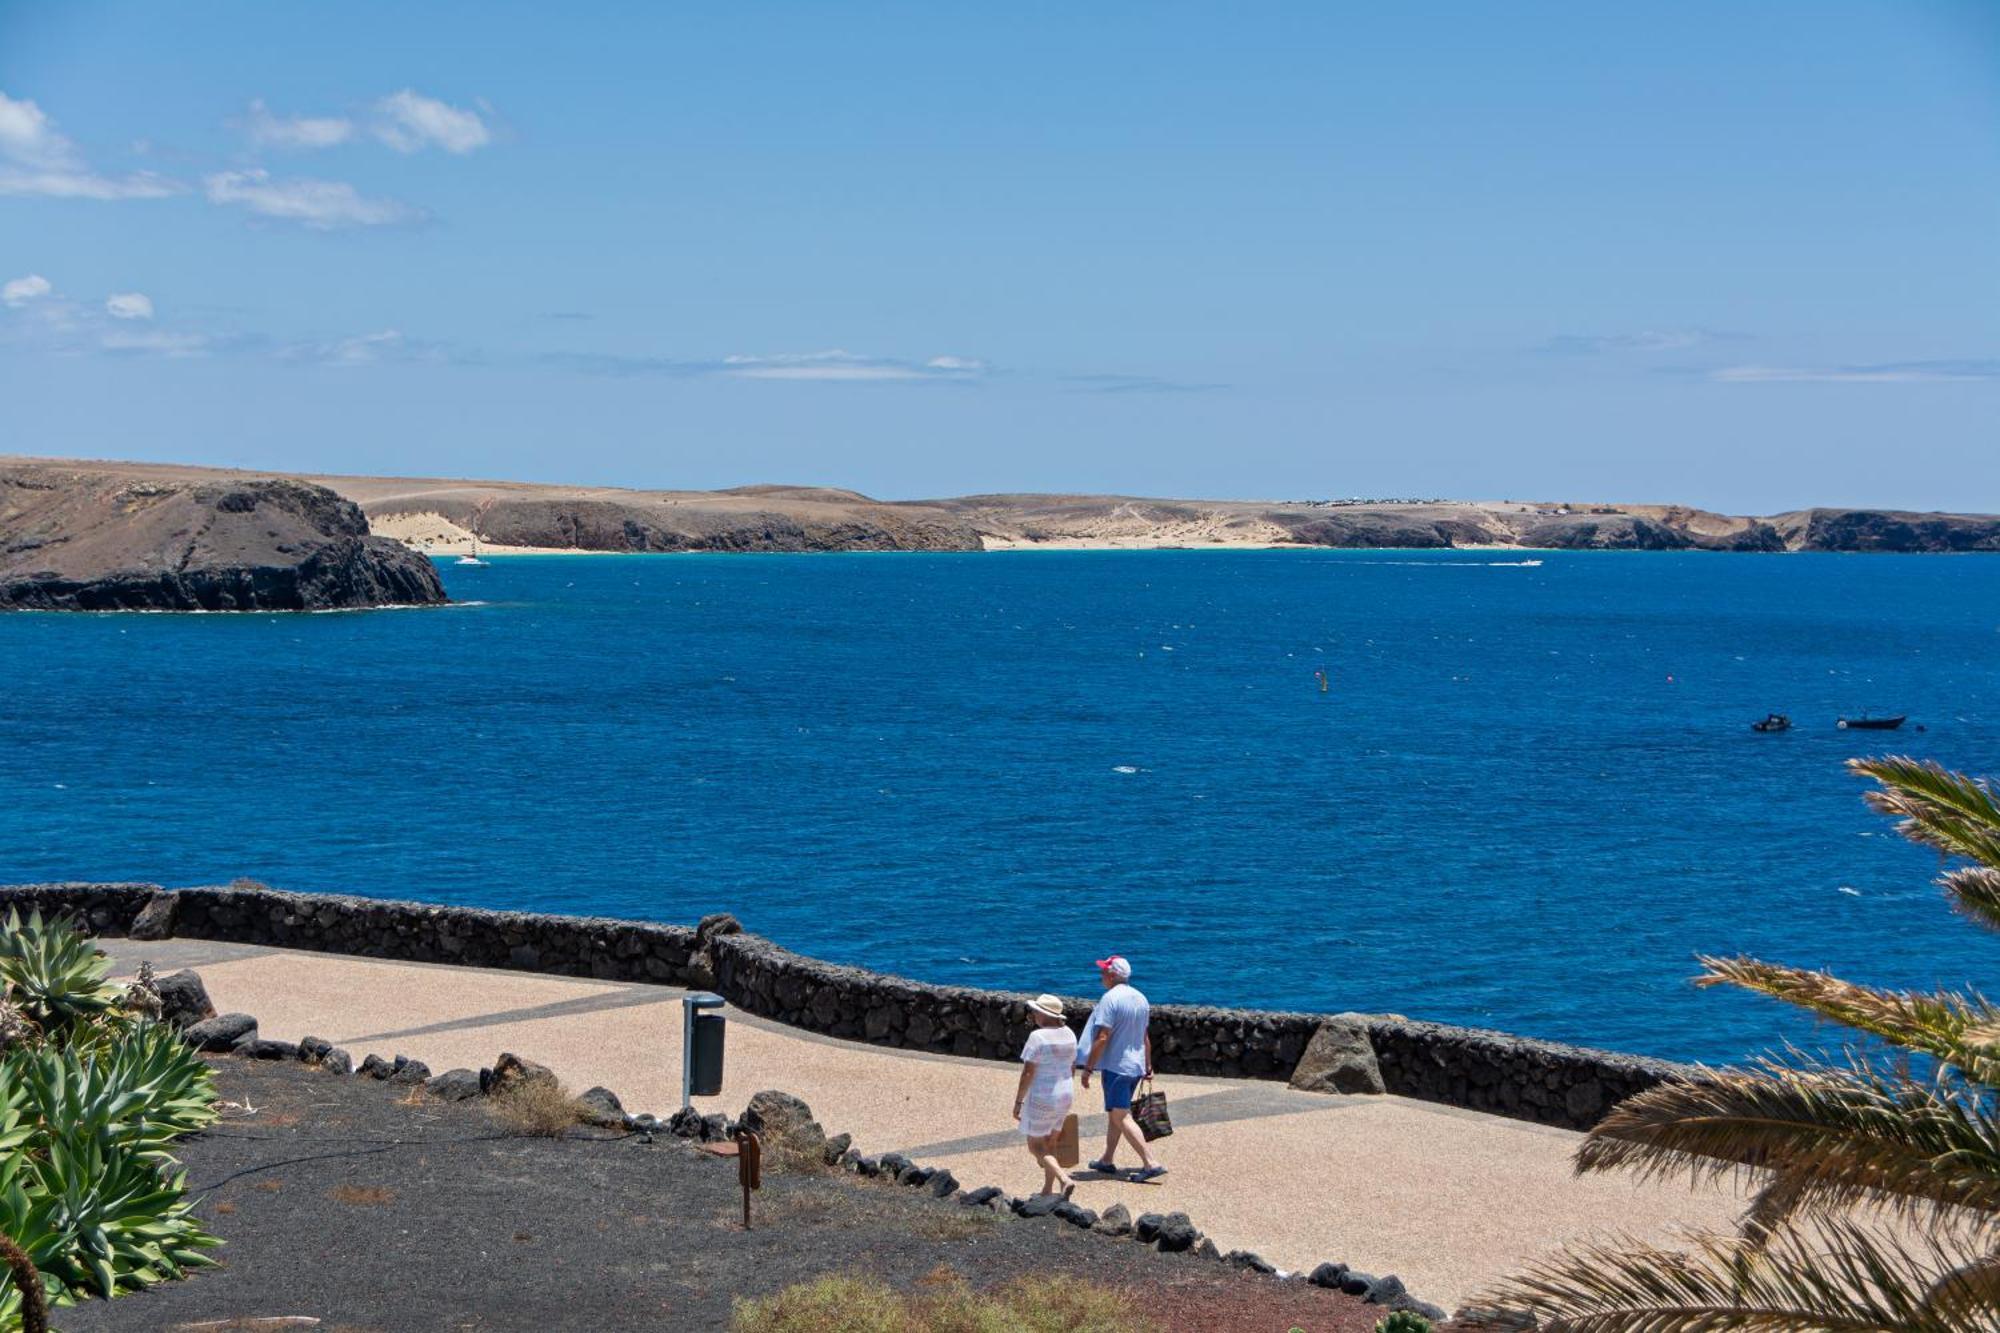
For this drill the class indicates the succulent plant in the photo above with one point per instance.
(54, 972)
(1403, 1321)
(92, 1093)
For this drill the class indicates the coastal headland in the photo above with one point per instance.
(78, 535)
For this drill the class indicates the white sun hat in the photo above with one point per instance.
(1047, 1005)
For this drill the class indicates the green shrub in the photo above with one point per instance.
(840, 1304)
(1403, 1321)
(91, 1096)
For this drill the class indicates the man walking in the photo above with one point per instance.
(1117, 1045)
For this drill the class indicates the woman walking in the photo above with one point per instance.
(1042, 1097)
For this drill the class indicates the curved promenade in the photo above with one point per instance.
(1446, 1197)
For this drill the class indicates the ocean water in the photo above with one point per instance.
(1527, 798)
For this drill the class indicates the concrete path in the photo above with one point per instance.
(1447, 1199)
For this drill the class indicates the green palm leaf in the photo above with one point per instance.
(1961, 1030)
(1847, 1280)
(1815, 1138)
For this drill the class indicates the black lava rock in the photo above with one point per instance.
(337, 1061)
(1075, 1214)
(685, 1123)
(915, 1175)
(1328, 1275)
(1244, 1259)
(1356, 1283)
(312, 1050)
(836, 1147)
(1383, 1290)
(1408, 1302)
(715, 1127)
(1177, 1233)
(1147, 1228)
(602, 1108)
(221, 1032)
(894, 1164)
(374, 1066)
(184, 1000)
(259, 1048)
(983, 1195)
(944, 1184)
(155, 920)
(1041, 1205)
(454, 1085)
(408, 1071)
(1114, 1221)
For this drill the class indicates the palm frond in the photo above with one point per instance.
(1961, 1030)
(1950, 811)
(1847, 1280)
(1833, 1137)
(1975, 892)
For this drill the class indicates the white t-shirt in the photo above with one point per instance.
(1051, 1051)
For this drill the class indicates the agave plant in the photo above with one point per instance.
(91, 1095)
(141, 1089)
(54, 972)
(1877, 1190)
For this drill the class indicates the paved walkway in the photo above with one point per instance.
(1447, 1199)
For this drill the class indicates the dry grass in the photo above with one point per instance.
(955, 1224)
(540, 1108)
(786, 1155)
(362, 1196)
(944, 1303)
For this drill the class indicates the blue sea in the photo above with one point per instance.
(1526, 798)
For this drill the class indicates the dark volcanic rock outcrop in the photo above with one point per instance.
(810, 523)
(1889, 530)
(101, 539)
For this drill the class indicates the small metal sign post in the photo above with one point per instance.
(749, 1168)
(701, 1047)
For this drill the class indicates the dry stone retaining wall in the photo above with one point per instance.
(1468, 1067)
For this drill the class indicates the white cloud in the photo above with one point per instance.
(29, 137)
(37, 159)
(839, 365)
(314, 203)
(269, 131)
(129, 305)
(1646, 340)
(410, 122)
(155, 342)
(22, 290)
(1895, 372)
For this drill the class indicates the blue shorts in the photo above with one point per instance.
(1118, 1090)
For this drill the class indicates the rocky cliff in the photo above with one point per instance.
(88, 538)
(1888, 530)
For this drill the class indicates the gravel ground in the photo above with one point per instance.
(344, 1201)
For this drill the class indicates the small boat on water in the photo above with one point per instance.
(1866, 723)
(1773, 722)
(472, 559)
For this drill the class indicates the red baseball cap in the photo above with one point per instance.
(1116, 966)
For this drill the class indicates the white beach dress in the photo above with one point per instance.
(1052, 1051)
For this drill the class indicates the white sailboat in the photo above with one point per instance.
(472, 559)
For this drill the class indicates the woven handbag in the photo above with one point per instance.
(1149, 1111)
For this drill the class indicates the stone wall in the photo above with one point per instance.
(1469, 1067)
(1482, 1070)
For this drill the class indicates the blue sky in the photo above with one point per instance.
(1744, 256)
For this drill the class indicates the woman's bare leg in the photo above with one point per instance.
(1054, 1178)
